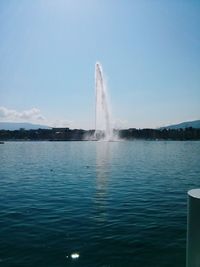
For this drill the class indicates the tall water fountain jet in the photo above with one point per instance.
(103, 127)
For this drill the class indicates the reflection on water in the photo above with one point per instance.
(103, 204)
(103, 164)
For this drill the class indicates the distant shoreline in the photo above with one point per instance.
(66, 134)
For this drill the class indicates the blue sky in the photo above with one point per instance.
(150, 52)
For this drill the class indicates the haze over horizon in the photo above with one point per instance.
(149, 51)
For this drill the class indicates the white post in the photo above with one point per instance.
(193, 229)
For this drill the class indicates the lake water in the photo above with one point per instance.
(114, 203)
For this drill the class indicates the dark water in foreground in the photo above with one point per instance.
(115, 204)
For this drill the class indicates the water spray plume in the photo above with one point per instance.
(103, 126)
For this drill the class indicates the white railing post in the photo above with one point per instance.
(193, 229)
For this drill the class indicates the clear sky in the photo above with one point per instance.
(149, 50)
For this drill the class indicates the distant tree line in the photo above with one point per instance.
(161, 134)
(66, 134)
(55, 134)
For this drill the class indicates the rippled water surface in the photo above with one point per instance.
(112, 203)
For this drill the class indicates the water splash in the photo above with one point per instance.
(103, 126)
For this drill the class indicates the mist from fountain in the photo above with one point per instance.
(103, 125)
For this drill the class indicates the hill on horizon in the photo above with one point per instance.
(11, 126)
(183, 125)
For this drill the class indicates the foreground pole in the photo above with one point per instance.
(193, 229)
